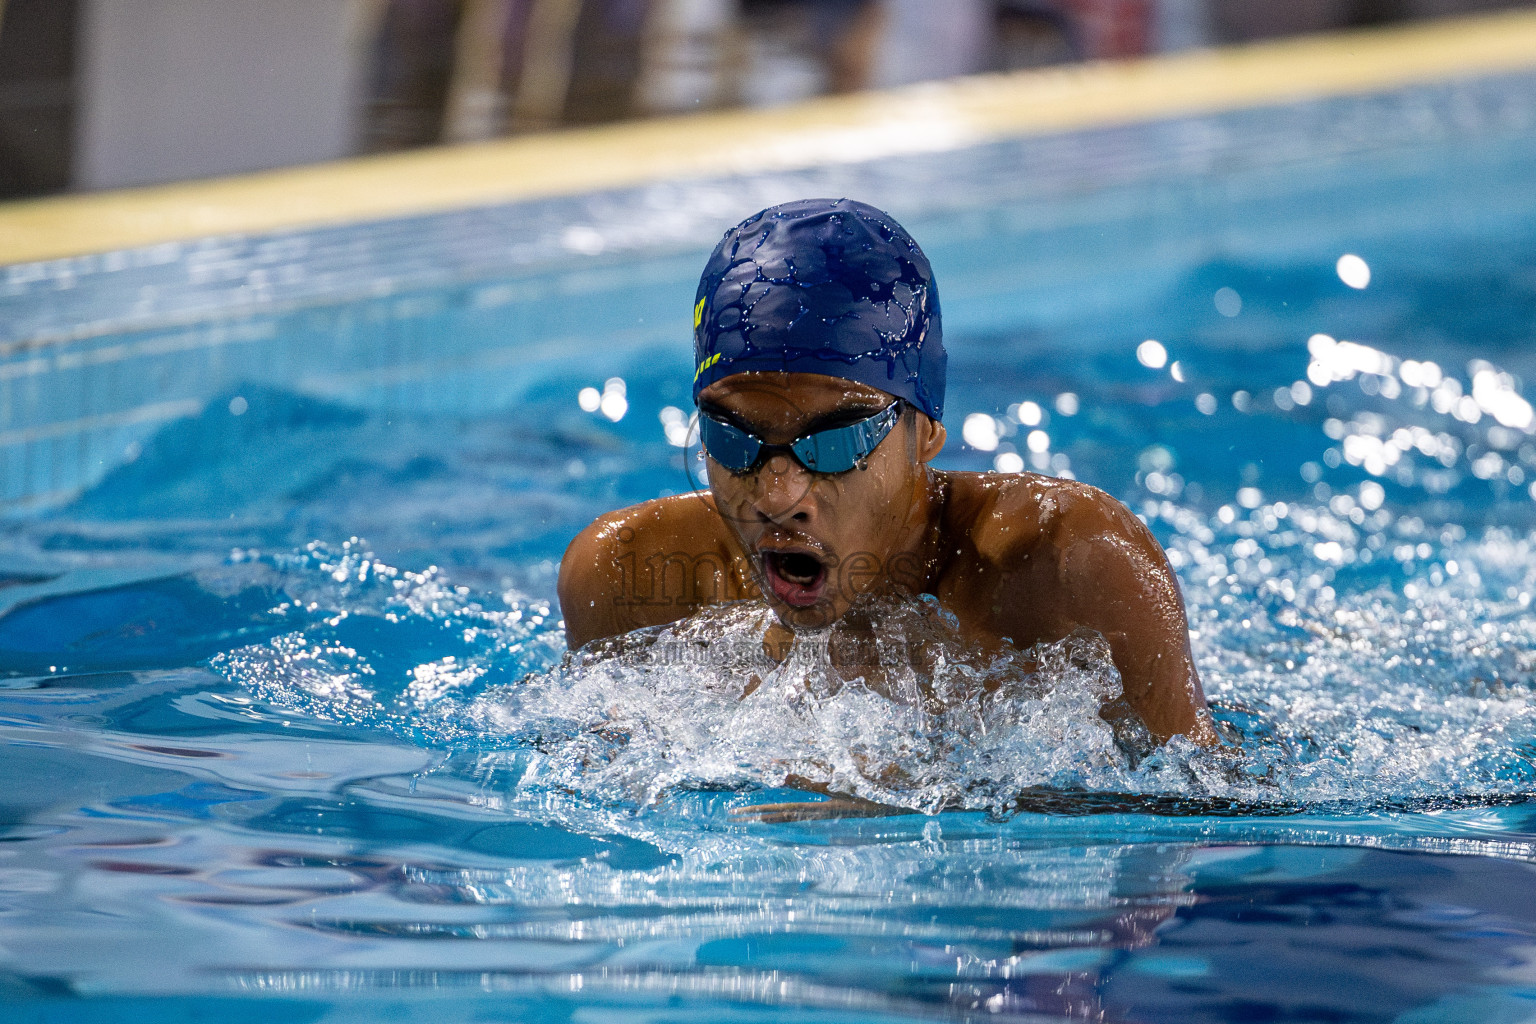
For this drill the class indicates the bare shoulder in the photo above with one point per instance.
(1046, 557)
(660, 519)
(606, 583)
(1007, 515)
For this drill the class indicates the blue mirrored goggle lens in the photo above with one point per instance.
(734, 449)
(826, 451)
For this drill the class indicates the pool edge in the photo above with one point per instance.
(928, 117)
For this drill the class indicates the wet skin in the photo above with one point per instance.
(1019, 559)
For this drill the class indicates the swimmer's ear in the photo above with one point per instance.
(930, 437)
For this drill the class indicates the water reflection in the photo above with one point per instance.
(1351, 526)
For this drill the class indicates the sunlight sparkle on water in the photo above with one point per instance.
(614, 402)
(980, 432)
(1008, 462)
(676, 424)
(1228, 302)
(1353, 271)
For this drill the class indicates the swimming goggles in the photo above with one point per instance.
(826, 451)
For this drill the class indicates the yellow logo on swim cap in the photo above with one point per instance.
(706, 364)
(698, 314)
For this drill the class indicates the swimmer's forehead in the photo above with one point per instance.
(787, 397)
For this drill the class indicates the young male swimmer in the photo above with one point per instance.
(819, 378)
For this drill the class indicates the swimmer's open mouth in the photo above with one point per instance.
(797, 578)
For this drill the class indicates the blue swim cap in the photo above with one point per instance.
(829, 286)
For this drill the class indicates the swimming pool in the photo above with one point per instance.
(285, 732)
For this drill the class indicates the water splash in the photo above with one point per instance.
(891, 705)
(1335, 690)
(385, 644)
(1389, 660)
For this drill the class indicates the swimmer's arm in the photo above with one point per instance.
(818, 810)
(1113, 577)
(837, 805)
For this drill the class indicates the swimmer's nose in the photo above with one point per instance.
(782, 491)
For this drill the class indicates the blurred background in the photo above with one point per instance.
(101, 94)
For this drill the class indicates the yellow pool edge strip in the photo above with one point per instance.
(921, 118)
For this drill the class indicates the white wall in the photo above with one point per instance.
(926, 39)
(174, 89)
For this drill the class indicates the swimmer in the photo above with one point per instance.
(819, 379)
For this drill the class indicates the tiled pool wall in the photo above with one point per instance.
(471, 311)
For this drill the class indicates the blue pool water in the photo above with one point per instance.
(287, 733)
